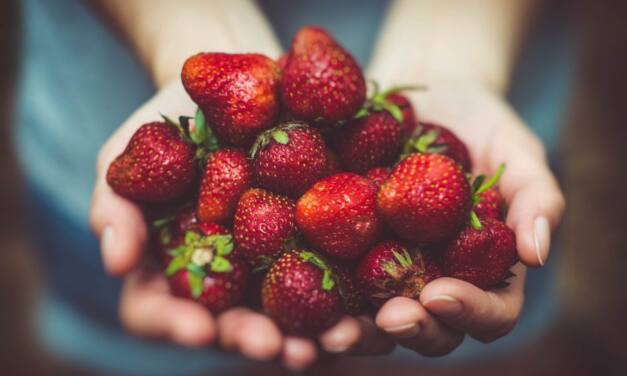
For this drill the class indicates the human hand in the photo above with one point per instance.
(146, 306)
(450, 308)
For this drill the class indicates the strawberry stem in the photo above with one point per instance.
(474, 221)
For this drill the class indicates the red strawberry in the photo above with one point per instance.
(378, 174)
(482, 256)
(368, 142)
(227, 176)
(203, 269)
(338, 215)
(157, 165)
(410, 121)
(263, 222)
(288, 159)
(433, 138)
(352, 297)
(238, 93)
(487, 200)
(390, 269)
(426, 198)
(321, 81)
(301, 295)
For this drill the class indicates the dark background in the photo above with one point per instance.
(590, 336)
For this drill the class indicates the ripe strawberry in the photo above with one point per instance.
(482, 256)
(352, 297)
(203, 269)
(338, 215)
(301, 295)
(238, 93)
(390, 269)
(156, 165)
(263, 222)
(321, 81)
(378, 174)
(433, 138)
(227, 176)
(288, 159)
(426, 198)
(409, 121)
(491, 205)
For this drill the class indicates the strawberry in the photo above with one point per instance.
(157, 165)
(482, 256)
(289, 158)
(409, 121)
(238, 93)
(378, 174)
(338, 215)
(486, 199)
(426, 198)
(390, 269)
(321, 81)
(433, 138)
(227, 175)
(300, 293)
(352, 297)
(263, 222)
(203, 269)
(490, 205)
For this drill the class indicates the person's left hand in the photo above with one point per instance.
(450, 308)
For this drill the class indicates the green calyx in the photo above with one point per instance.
(423, 142)
(478, 186)
(278, 134)
(328, 277)
(396, 268)
(198, 255)
(378, 101)
(200, 134)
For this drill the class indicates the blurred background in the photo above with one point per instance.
(590, 335)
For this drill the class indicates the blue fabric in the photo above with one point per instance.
(79, 83)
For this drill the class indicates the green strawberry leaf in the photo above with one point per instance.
(476, 184)
(281, 137)
(361, 113)
(165, 235)
(195, 280)
(223, 244)
(161, 222)
(327, 280)
(425, 141)
(177, 263)
(314, 259)
(403, 259)
(394, 110)
(220, 264)
(493, 180)
(191, 237)
(199, 133)
(474, 221)
(193, 268)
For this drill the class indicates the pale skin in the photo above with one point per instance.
(464, 52)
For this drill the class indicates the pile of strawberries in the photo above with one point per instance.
(292, 192)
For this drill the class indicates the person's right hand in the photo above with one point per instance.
(146, 306)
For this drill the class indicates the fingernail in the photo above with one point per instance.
(444, 305)
(541, 238)
(405, 330)
(336, 348)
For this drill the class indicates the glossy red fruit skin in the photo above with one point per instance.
(378, 285)
(221, 290)
(293, 296)
(455, 148)
(321, 82)
(156, 165)
(481, 257)
(426, 199)
(352, 298)
(378, 174)
(263, 222)
(291, 168)
(410, 120)
(372, 141)
(492, 205)
(227, 175)
(338, 215)
(238, 93)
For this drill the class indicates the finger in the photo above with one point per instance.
(252, 334)
(485, 315)
(406, 320)
(121, 228)
(341, 336)
(298, 353)
(148, 310)
(536, 202)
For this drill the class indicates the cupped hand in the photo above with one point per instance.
(146, 306)
(450, 308)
